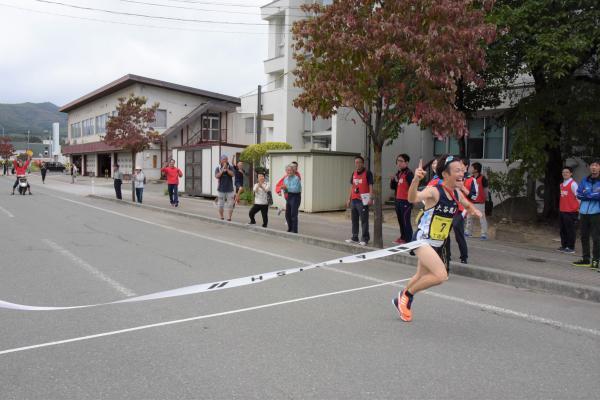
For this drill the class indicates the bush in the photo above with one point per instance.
(247, 196)
(256, 153)
(507, 185)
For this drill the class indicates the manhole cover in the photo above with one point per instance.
(538, 260)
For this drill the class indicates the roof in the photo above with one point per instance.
(130, 79)
(94, 147)
(218, 106)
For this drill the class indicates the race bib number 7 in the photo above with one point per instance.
(440, 227)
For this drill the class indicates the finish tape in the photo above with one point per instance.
(232, 283)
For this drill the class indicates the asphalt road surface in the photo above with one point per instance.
(323, 333)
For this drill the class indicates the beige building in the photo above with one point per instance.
(187, 118)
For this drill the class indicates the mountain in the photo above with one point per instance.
(35, 117)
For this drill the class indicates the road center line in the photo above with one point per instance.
(87, 267)
(482, 306)
(179, 321)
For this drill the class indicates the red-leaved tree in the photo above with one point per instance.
(6, 148)
(130, 129)
(394, 62)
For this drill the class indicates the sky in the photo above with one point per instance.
(54, 58)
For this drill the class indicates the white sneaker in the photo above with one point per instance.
(351, 241)
(362, 243)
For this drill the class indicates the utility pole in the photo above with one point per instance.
(258, 114)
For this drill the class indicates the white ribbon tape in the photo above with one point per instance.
(237, 282)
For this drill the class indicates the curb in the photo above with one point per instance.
(518, 280)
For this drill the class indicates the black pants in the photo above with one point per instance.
(568, 229)
(118, 184)
(360, 212)
(264, 210)
(173, 193)
(590, 226)
(403, 213)
(291, 211)
(139, 193)
(43, 171)
(458, 226)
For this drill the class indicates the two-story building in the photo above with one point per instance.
(196, 126)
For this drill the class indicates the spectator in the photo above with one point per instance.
(225, 191)
(588, 192)
(280, 183)
(434, 178)
(43, 171)
(261, 200)
(293, 187)
(5, 167)
(73, 172)
(458, 222)
(238, 180)
(359, 200)
(172, 173)
(139, 181)
(481, 193)
(400, 183)
(569, 210)
(118, 181)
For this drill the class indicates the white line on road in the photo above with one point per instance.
(95, 272)
(179, 321)
(8, 213)
(486, 307)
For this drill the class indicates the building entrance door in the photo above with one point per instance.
(104, 165)
(193, 172)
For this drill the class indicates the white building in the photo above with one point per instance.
(489, 142)
(190, 121)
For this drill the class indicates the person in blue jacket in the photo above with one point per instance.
(589, 215)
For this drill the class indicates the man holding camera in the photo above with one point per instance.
(359, 200)
(225, 193)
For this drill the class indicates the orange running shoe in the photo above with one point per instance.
(403, 304)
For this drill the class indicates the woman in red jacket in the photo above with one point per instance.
(173, 174)
(21, 170)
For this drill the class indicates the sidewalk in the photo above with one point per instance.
(527, 265)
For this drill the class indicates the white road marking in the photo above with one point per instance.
(8, 213)
(86, 266)
(179, 321)
(482, 306)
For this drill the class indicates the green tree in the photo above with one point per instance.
(393, 62)
(556, 44)
(256, 154)
(130, 129)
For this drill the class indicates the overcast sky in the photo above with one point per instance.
(58, 59)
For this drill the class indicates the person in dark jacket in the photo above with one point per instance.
(588, 192)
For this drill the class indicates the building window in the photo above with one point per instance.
(279, 38)
(250, 125)
(76, 130)
(494, 139)
(485, 141)
(160, 119)
(101, 121)
(210, 127)
(475, 138)
(88, 127)
(439, 147)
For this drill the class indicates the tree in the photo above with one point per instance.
(256, 154)
(6, 148)
(393, 62)
(556, 44)
(130, 129)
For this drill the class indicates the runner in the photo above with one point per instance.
(441, 203)
(569, 210)
(21, 170)
(400, 184)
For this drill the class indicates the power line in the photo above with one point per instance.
(127, 23)
(231, 4)
(265, 85)
(149, 16)
(199, 9)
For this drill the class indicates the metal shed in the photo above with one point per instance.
(325, 177)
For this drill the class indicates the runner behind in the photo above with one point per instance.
(441, 204)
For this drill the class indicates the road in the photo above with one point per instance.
(324, 333)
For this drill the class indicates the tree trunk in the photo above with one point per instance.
(552, 179)
(377, 192)
(133, 153)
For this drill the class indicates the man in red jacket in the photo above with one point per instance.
(172, 173)
(21, 170)
(569, 211)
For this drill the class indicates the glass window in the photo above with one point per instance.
(439, 147)
(210, 127)
(510, 140)
(454, 148)
(160, 119)
(494, 138)
(475, 138)
(249, 126)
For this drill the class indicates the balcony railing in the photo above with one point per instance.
(208, 136)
